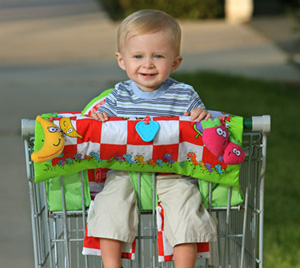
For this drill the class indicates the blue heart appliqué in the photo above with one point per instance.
(147, 131)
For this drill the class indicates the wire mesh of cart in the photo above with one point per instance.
(58, 235)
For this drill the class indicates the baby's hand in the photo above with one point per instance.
(198, 114)
(100, 116)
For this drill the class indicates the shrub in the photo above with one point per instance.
(192, 9)
(113, 8)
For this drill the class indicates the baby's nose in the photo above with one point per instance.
(148, 63)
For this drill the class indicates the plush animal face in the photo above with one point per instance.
(52, 144)
(233, 154)
(215, 136)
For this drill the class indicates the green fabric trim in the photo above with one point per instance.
(146, 189)
(72, 189)
(219, 196)
(39, 132)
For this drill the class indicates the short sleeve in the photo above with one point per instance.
(110, 104)
(195, 101)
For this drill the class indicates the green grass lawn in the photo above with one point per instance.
(249, 97)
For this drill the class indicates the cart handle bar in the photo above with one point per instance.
(256, 123)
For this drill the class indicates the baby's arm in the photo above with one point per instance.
(198, 114)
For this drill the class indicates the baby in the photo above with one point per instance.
(149, 50)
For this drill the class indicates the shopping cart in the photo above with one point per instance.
(58, 235)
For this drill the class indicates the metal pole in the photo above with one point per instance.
(67, 258)
(154, 229)
(244, 228)
(261, 197)
(227, 249)
(83, 212)
(140, 222)
(32, 206)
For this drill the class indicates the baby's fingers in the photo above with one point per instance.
(100, 116)
(204, 115)
(94, 115)
(208, 116)
(103, 116)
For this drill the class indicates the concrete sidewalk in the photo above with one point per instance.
(90, 39)
(56, 56)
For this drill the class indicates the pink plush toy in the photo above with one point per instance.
(233, 153)
(216, 139)
(215, 136)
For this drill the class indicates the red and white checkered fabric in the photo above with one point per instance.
(176, 141)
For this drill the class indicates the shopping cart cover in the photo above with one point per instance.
(116, 144)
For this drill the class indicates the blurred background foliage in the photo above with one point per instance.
(274, 7)
(196, 9)
(192, 9)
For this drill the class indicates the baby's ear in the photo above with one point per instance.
(176, 63)
(120, 61)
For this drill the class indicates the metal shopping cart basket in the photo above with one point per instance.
(58, 235)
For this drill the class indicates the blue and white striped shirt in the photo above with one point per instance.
(173, 98)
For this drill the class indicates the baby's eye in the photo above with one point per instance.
(137, 56)
(158, 56)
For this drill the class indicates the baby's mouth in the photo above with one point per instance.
(148, 74)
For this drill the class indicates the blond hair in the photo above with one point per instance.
(148, 21)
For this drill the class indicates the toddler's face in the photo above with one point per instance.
(149, 59)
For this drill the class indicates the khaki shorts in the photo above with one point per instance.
(115, 214)
(185, 219)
